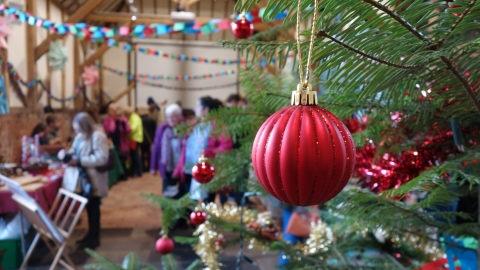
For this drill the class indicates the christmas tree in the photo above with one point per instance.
(404, 77)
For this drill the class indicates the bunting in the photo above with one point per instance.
(133, 76)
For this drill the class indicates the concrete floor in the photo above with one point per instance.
(131, 224)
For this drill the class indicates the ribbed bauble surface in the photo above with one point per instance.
(303, 155)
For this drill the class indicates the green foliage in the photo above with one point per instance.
(417, 59)
(169, 263)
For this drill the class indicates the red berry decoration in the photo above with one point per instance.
(198, 217)
(164, 245)
(303, 154)
(242, 28)
(203, 172)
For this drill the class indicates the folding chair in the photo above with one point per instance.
(59, 230)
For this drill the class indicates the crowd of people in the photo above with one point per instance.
(144, 139)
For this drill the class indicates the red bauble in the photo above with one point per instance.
(198, 217)
(242, 28)
(203, 172)
(164, 245)
(220, 242)
(303, 155)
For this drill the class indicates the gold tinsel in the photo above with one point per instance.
(206, 248)
(207, 233)
(320, 239)
(228, 213)
(431, 249)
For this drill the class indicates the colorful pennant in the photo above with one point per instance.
(99, 34)
(133, 76)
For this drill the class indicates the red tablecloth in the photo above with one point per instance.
(44, 196)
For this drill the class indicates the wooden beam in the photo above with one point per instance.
(124, 92)
(123, 17)
(31, 36)
(100, 51)
(79, 15)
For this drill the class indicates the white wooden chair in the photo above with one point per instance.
(55, 227)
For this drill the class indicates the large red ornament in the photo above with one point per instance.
(198, 217)
(303, 154)
(242, 28)
(164, 245)
(203, 172)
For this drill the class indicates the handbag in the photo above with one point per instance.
(110, 162)
(300, 223)
(85, 184)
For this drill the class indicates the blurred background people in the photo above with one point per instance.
(136, 138)
(149, 127)
(200, 140)
(117, 129)
(155, 112)
(53, 126)
(167, 149)
(234, 100)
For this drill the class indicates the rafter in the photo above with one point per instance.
(122, 17)
(79, 15)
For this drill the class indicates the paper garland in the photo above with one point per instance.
(88, 32)
(215, 87)
(133, 76)
(80, 88)
(57, 55)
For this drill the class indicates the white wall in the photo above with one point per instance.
(146, 64)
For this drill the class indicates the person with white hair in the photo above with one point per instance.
(167, 149)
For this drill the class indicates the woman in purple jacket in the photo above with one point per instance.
(167, 149)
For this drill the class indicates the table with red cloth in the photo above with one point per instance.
(44, 196)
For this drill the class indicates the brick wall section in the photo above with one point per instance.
(20, 123)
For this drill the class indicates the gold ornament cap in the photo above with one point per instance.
(304, 97)
(202, 158)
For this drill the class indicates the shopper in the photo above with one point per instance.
(41, 130)
(167, 149)
(53, 126)
(200, 140)
(90, 150)
(155, 112)
(117, 129)
(149, 127)
(136, 138)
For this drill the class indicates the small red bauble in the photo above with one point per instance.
(303, 154)
(203, 172)
(198, 217)
(164, 245)
(242, 28)
(220, 242)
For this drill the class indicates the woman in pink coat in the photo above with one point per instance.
(117, 129)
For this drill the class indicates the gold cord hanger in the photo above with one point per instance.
(301, 96)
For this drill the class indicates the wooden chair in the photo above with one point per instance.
(56, 227)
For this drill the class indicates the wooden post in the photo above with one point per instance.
(76, 68)
(31, 37)
(49, 99)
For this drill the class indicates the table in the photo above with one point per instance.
(44, 195)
